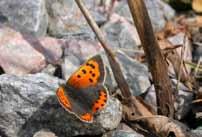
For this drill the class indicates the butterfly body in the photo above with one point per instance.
(84, 93)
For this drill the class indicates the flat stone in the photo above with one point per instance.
(28, 16)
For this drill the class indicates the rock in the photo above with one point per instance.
(49, 69)
(123, 131)
(69, 66)
(42, 133)
(22, 53)
(17, 56)
(197, 131)
(183, 100)
(64, 16)
(158, 11)
(28, 104)
(27, 16)
(82, 49)
(135, 73)
(50, 48)
(121, 34)
(150, 97)
(111, 116)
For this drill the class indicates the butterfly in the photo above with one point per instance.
(84, 93)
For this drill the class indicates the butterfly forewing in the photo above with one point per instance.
(89, 74)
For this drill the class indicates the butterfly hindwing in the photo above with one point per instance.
(63, 98)
(89, 74)
(84, 103)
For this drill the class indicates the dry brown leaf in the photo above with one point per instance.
(197, 5)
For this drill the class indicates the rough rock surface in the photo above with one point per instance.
(26, 15)
(158, 11)
(135, 73)
(28, 104)
(64, 16)
(121, 34)
(22, 53)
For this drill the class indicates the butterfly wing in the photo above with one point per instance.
(83, 103)
(86, 102)
(84, 94)
(89, 74)
(63, 98)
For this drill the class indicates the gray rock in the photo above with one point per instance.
(135, 73)
(197, 132)
(121, 35)
(183, 99)
(70, 64)
(158, 11)
(66, 20)
(43, 133)
(27, 16)
(150, 97)
(49, 69)
(28, 104)
(82, 49)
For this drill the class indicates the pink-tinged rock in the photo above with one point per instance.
(51, 48)
(22, 54)
(82, 49)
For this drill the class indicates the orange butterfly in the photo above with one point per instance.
(84, 94)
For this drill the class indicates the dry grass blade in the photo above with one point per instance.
(156, 62)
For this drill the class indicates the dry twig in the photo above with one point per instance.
(157, 64)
